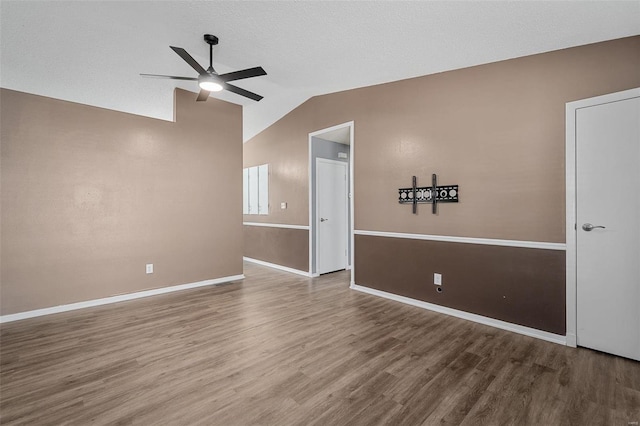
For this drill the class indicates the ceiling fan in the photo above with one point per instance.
(209, 80)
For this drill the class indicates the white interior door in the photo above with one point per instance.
(331, 218)
(608, 230)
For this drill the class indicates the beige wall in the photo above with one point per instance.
(287, 154)
(89, 196)
(497, 130)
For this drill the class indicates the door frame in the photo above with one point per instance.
(350, 194)
(317, 224)
(570, 180)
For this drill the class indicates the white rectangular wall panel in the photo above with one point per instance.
(245, 191)
(253, 190)
(263, 189)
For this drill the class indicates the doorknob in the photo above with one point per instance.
(322, 219)
(589, 227)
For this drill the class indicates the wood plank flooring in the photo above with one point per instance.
(280, 349)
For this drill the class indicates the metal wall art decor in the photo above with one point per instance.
(428, 194)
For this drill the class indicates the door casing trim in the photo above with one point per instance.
(351, 195)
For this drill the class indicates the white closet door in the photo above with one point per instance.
(608, 229)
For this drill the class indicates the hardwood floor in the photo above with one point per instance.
(279, 349)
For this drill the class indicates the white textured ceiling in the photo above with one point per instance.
(92, 51)
(341, 135)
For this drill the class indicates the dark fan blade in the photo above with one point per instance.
(172, 77)
(239, 75)
(203, 95)
(188, 59)
(239, 91)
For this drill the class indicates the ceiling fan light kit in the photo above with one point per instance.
(209, 80)
(209, 84)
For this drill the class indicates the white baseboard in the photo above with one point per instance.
(115, 299)
(572, 340)
(276, 266)
(531, 332)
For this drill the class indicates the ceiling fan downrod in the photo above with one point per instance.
(211, 40)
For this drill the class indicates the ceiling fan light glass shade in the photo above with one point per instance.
(210, 86)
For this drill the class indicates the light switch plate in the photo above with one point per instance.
(437, 279)
(149, 268)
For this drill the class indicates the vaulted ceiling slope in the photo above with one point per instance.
(93, 52)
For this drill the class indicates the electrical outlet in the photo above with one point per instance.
(437, 279)
(149, 268)
(283, 205)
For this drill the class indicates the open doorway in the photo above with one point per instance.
(331, 199)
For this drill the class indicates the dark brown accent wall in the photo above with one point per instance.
(89, 196)
(519, 285)
(282, 246)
